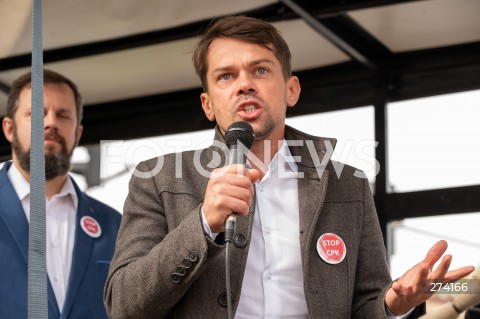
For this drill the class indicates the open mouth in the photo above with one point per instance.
(249, 109)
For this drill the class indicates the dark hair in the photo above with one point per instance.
(49, 77)
(242, 28)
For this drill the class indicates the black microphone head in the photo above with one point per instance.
(239, 132)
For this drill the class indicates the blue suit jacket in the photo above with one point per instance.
(90, 261)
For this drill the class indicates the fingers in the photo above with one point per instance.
(401, 289)
(420, 279)
(254, 174)
(442, 269)
(435, 253)
(398, 288)
(441, 272)
(413, 287)
(459, 273)
(230, 189)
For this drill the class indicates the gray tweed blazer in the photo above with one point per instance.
(166, 267)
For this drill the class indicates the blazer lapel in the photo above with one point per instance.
(239, 255)
(310, 206)
(82, 250)
(52, 302)
(11, 212)
(314, 155)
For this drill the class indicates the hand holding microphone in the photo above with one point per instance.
(230, 189)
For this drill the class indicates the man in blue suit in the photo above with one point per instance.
(81, 231)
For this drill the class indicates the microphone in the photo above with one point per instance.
(239, 138)
(459, 304)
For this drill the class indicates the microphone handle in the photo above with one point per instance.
(230, 226)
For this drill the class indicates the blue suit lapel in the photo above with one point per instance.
(82, 251)
(53, 312)
(12, 214)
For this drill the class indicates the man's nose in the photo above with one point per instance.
(246, 85)
(49, 120)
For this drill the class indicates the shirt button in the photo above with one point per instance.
(260, 188)
(222, 299)
(55, 279)
(267, 230)
(269, 276)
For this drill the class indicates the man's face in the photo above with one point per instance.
(245, 83)
(61, 129)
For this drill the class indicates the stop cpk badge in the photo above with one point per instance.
(331, 248)
(90, 226)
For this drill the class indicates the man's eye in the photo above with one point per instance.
(63, 115)
(226, 77)
(261, 71)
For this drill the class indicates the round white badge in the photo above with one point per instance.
(331, 248)
(90, 226)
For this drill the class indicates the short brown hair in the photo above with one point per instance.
(242, 28)
(49, 77)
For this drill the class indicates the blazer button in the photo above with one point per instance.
(187, 263)
(239, 240)
(176, 278)
(193, 256)
(222, 299)
(181, 270)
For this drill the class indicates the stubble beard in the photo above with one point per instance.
(263, 130)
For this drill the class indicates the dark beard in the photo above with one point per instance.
(55, 165)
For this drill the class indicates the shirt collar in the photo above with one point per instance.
(68, 189)
(287, 157)
(283, 153)
(22, 186)
(19, 183)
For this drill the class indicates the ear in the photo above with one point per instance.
(79, 133)
(7, 126)
(207, 106)
(293, 91)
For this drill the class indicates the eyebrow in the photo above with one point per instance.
(250, 64)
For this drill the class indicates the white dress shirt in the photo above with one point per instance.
(61, 215)
(273, 281)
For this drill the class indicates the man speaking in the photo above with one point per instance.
(307, 242)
